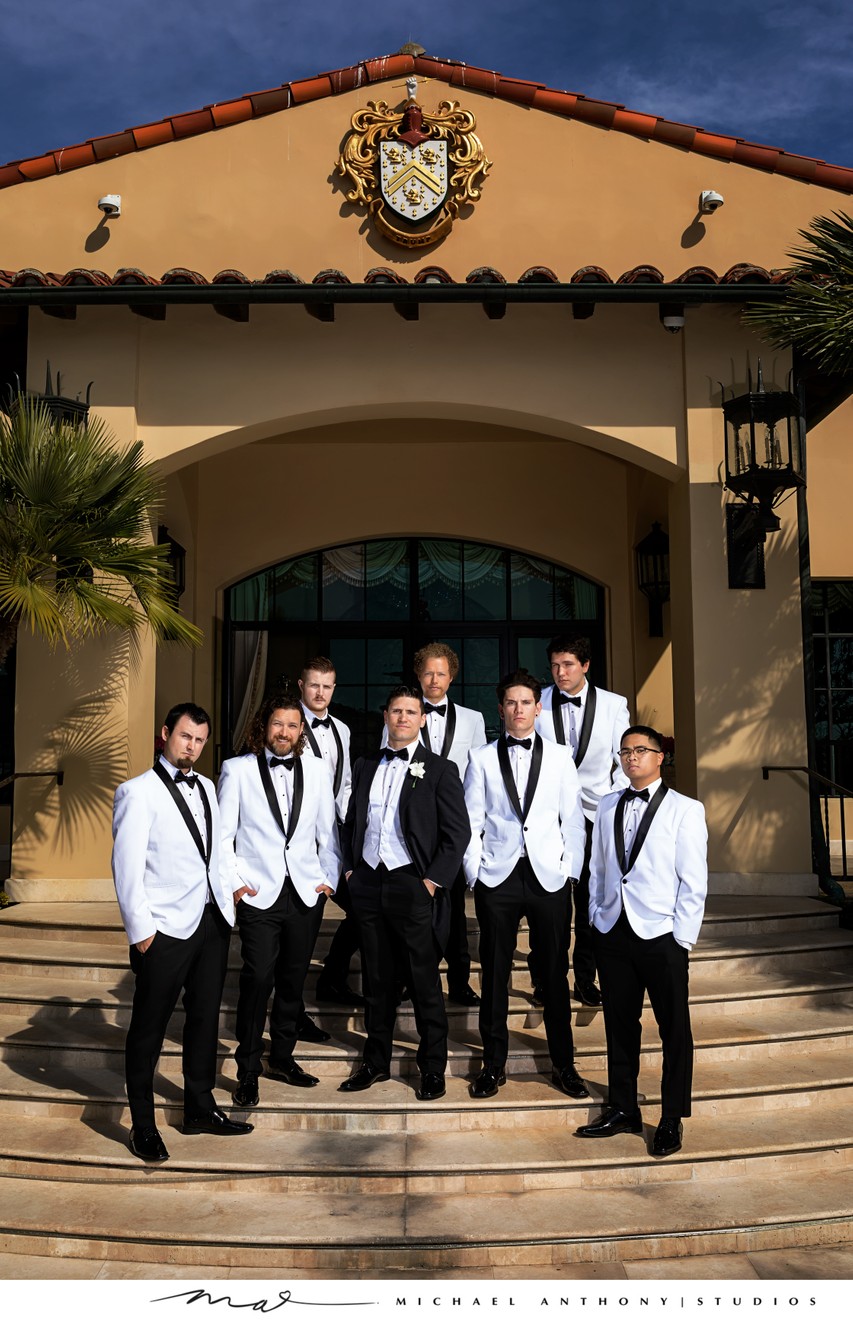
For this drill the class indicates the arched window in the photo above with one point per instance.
(370, 606)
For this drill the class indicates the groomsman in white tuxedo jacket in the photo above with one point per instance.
(178, 913)
(589, 721)
(281, 857)
(329, 740)
(527, 845)
(453, 732)
(648, 882)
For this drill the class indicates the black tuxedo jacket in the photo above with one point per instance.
(433, 816)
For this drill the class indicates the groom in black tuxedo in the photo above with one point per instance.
(403, 839)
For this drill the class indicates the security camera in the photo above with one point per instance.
(110, 205)
(709, 201)
(672, 318)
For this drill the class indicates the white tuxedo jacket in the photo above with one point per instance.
(552, 832)
(160, 876)
(464, 731)
(665, 889)
(342, 780)
(597, 761)
(257, 853)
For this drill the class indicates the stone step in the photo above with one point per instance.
(422, 1161)
(87, 1036)
(761, 953)
(742, 914)
(795, 1083)
(421, 1230)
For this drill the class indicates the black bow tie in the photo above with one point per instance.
(630, 795)
(439, 711)
(183, 778)
(390, 753)
(518, 743)
(326, 724)
(286, 762)
(564, 697)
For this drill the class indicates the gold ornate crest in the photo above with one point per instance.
(413, 166)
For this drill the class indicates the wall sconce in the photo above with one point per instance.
(176, 559)
(764, 449)
(653, 575)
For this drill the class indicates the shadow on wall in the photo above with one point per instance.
(750, 711)
(85, 735)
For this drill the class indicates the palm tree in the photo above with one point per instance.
(75, 522)
(817, 314)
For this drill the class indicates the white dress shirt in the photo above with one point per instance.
(520, 760)
(192, 797)
(635, 810)
(282, 782)
(383, 836)
(436, 727)
(573, 717)
(326, 741)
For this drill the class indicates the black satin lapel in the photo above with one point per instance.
(508, 779)
(533, 778)
(208, 822)
(450, 731)
(619, 835)
(298, 791)
(269, 790)
(409, 782)
(557, 714)
(339, 768)
(184, 810)
(312, 739)
(586, 725)
(643, 828)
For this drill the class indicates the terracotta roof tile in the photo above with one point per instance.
(129, 276)
(118, 144)
(603, 114)
(231, 112)
(153, 135)
(187, 126)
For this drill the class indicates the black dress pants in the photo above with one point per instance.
(629, 965)
(197, 965)
(277, 945)
(499, 912)
(583, 955)
(394, 912)
(457, 954)
(344, 944)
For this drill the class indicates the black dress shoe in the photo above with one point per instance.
(214, 1122)
(463, 995)
(587, 993)
(338, 993)
(308, 1031)
(246, 1092)
(432, 1087)
(289, 1072)
(147, 1144)
(487, 1083)
(667, 1138)
(538, 996)
(364, 1077)
(403, 993)
(612, 1122)
(570, 1082)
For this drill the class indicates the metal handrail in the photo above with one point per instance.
(31, 775)
(807, 771)
(821, 851)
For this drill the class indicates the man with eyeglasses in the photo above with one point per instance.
(648, 882)
(588, 720)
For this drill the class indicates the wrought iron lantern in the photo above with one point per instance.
(176, 559)
(653, 575)
(764, 449)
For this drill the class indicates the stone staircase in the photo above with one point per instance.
(377, 1181)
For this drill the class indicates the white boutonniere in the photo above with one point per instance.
(417, 769)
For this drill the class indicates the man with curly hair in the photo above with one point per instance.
(281, 856)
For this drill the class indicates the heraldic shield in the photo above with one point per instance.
(413, 170)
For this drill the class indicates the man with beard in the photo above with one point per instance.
(281, 857)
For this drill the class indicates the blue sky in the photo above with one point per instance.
(773, 72)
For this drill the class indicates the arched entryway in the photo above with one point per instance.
(370, 605)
